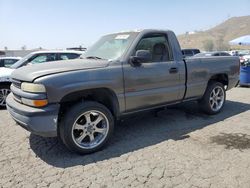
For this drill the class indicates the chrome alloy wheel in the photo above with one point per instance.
(216, 99)
(3, 95)
(90, 129)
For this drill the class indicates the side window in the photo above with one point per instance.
(224, 54)
(189, 52)
(157, 45)
(41, 58)
(9, 62)
(1, 63)
(196, 51)
(216, 54)
(65, 56)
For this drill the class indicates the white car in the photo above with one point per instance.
(32, 58)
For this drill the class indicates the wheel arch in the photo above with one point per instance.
(105, 96)
(222, 78)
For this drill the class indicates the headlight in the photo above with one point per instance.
(33, 88)
(35, 103)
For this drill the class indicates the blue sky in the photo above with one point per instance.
(65, 23)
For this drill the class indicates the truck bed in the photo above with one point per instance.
(201, 69)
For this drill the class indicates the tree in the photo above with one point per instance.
(208, 45)
(24, 47)
(5, 48)
(221, 45)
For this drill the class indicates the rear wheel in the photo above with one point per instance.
(4, 92)
(214, 98)
(86, 127)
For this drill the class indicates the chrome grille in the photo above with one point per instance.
(16, 83)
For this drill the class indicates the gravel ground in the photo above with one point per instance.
(180, 147)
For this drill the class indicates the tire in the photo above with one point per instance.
(211, 103)
(4, 91)
(86, 127)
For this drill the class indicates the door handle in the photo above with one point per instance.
(173, 70)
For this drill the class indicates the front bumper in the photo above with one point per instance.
(40, 121)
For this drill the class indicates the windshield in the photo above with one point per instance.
(110, 47)
(21, 62)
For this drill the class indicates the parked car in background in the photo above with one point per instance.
(240, 54)
(245, 71)
(46, 56)
(32, 58)
(245, 60)
(207, 54)
(190, 52)
(8, 61)
(244, 56)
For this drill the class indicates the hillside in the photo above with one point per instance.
(217, 38)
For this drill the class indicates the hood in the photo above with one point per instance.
(5, 72)
(31, 72)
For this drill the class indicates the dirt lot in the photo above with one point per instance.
(180, 148)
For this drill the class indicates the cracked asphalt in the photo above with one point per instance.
(180, 147)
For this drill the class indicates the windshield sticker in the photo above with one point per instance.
(121, 37)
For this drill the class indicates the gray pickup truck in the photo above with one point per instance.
(121, 74)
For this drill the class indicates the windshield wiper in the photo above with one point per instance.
(93, 57)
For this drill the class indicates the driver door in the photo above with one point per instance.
(153, 83)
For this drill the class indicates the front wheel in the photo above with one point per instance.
(86, 127)
(214, 98)
(4, 92)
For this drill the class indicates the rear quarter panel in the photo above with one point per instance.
(201, 70)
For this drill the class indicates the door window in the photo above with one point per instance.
(157, 45)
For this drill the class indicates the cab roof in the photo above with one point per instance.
(142, 31)
(57, 51)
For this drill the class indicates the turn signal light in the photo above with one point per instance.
(40, 103)
(35, 103)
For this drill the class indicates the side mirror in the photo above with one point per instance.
(141, 56)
